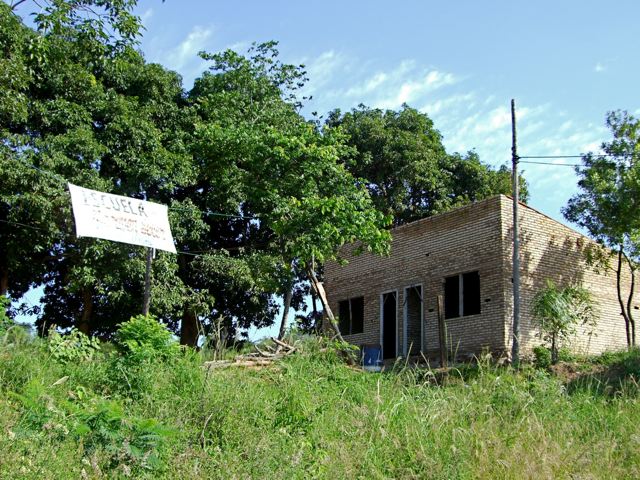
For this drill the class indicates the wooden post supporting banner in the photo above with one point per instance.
(146, 301)
(442, 332)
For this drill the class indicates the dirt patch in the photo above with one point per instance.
(569, 372)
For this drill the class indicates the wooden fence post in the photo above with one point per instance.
(442, 333)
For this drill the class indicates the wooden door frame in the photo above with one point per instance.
(382, 294)
(405, 318)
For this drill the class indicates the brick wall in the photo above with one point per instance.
(477, 237)
(550, 250)
(424, 253)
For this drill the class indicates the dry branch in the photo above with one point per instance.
(258, 359)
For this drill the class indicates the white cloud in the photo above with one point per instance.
(185, 52)
(323, 70)
(146, 16)
(341, 82)
(450, 104)
(468, 118)
(599, 68)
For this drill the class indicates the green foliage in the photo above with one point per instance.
(400, 158)
(541, 356)
(5, 321)
(607, 204)
(144, 338)
(127, 443)
(559, 311)
(73, 346)
(311, 416)
(131, 443)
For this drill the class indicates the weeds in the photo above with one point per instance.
(309, 416)
(74, 346)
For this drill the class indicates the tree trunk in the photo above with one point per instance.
(189, 329)
(623, 310)
(87, 308)
(314, 306)
(4, 280)
(317, 286)
(554, 349)
(632, 321)
(285, 312)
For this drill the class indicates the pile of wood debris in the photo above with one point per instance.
(258, 359)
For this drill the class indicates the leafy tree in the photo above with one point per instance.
(263, 161)
(607, 205)
(400, 158)
(255, 191)
(87, 109)
(559, 311)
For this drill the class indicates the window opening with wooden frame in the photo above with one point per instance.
(351, 316)
(462, 295)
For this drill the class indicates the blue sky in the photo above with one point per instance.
(566, 64)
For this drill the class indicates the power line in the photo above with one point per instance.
(198, 253)
(554, 164)
(205, 213)
(554, 156)
(24, 225)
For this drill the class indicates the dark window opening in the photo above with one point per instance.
(357, 315)
(343, 316)
(462, 295)
(471, 293)
(389, 325)
(452, 297)
(351, 316)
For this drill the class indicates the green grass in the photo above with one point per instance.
(311, 416)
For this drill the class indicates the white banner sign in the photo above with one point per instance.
(121, 219)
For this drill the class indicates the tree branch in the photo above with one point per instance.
(15, 5)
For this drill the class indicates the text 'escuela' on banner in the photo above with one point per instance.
(121, 219)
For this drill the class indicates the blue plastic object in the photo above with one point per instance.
(372, 357)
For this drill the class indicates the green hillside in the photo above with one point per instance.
(149, 410)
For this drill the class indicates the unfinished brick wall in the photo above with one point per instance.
(477, 237)
(424, 253)
(551, 250)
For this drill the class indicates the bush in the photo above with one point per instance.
(144, 338)
(122, 441)
(75, 346)
(542, 356)
(559, 310)
(5, 322)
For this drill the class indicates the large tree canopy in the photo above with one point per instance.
(257, 194)
(255, 191)
(86, 109)
(261, 160)
(400, 157)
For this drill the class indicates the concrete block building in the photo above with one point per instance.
(466, 256)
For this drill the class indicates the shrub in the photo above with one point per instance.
(75, 346)
(542, 356)
(144, 338)
(5, 321)
(558, 311)
(126, 442)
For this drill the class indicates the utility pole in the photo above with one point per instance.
(515, 349)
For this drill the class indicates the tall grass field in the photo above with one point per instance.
(70, 408)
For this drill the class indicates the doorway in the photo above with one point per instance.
(389, 324)
(413, 330)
